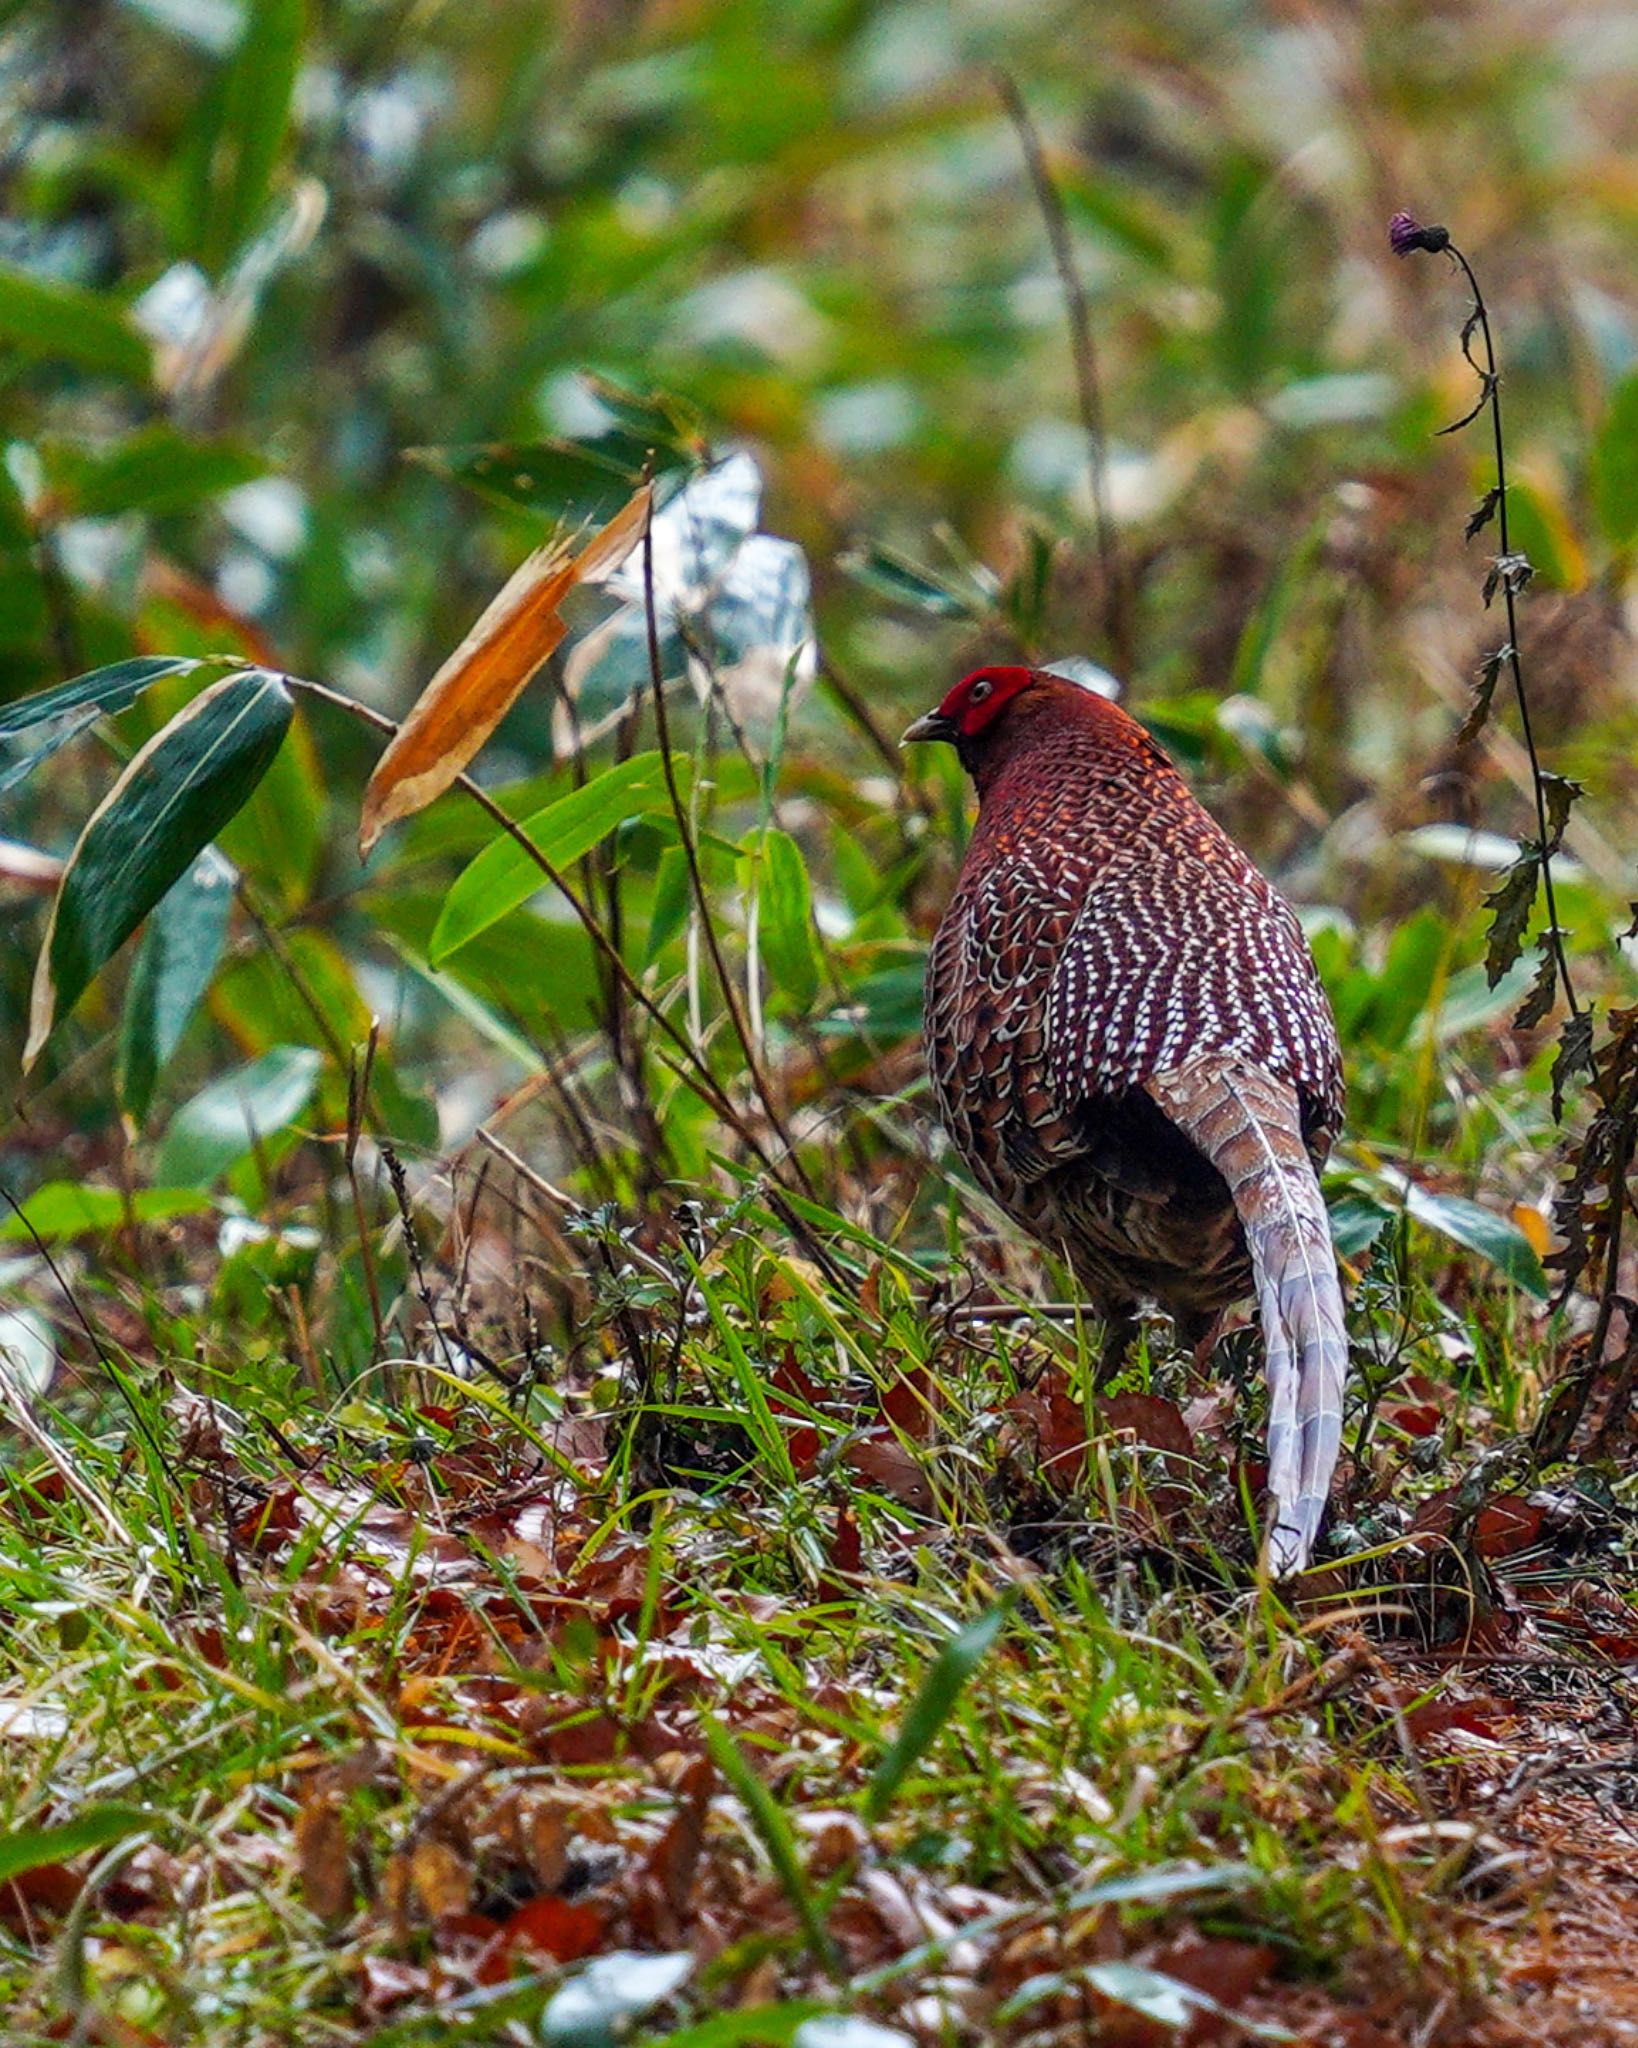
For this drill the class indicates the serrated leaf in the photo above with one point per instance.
(174, 966)
(1483, 512)
(169, 802)
(1487, 385)
(1560, 794)
(481, 681)
(237, 1112)
(1575, 1055)
(1539, 1001)
(1484, 691)
(1510, 905)
(785, 919)
(503, 876)
(935, 1700)
(46, 320)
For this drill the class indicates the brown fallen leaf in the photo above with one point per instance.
(481, 681)
(323, 1850)
(441, 1877)
(563, 1929)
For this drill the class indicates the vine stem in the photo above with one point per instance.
(1493, 400)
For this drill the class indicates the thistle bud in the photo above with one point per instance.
(1406, 234)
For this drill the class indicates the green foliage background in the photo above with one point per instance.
(270, 273)
(377, 229)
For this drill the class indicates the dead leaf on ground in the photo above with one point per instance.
(441, 1877)
(323, 1850)
(563, 1929)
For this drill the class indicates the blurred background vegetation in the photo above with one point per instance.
(257, 260)
(316, 316)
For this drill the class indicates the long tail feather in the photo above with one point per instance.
(1249, 1125)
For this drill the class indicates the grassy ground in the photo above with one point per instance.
(766, 1616)
(658, 1569)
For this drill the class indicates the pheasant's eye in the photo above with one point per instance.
(980, 690)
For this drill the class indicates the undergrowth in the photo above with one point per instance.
(536, 1500)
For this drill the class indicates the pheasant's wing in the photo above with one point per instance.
(1249, 1125)
(1181, 951)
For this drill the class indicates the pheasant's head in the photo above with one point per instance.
(975, 707)
(993, 713)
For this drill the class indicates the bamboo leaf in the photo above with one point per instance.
(46, 320)
(102, 691)
(504, 876)
(65, 1209)
(785, 919)
(167, 805)
(1476, 1229)
(24, 1849)
(174, 966)
(482, 679)
(778, 1838)
(237, 1112)
(246, 127)
(1614, 466)
(932, 1706)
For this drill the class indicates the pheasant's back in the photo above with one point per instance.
(1104, 930)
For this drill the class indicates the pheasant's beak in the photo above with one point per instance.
(932, 725)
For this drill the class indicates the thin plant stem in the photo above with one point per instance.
(1492, 399)
(695, 1075)
(1117, 624)
(702, 902)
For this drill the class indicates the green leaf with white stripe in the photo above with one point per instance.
(168, 804)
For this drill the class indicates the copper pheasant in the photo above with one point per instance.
(1130, 1045)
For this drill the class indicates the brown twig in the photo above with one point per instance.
(696, 1075)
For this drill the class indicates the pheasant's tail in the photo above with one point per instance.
(1249, 1125)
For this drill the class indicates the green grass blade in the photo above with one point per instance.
(932, 1706)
